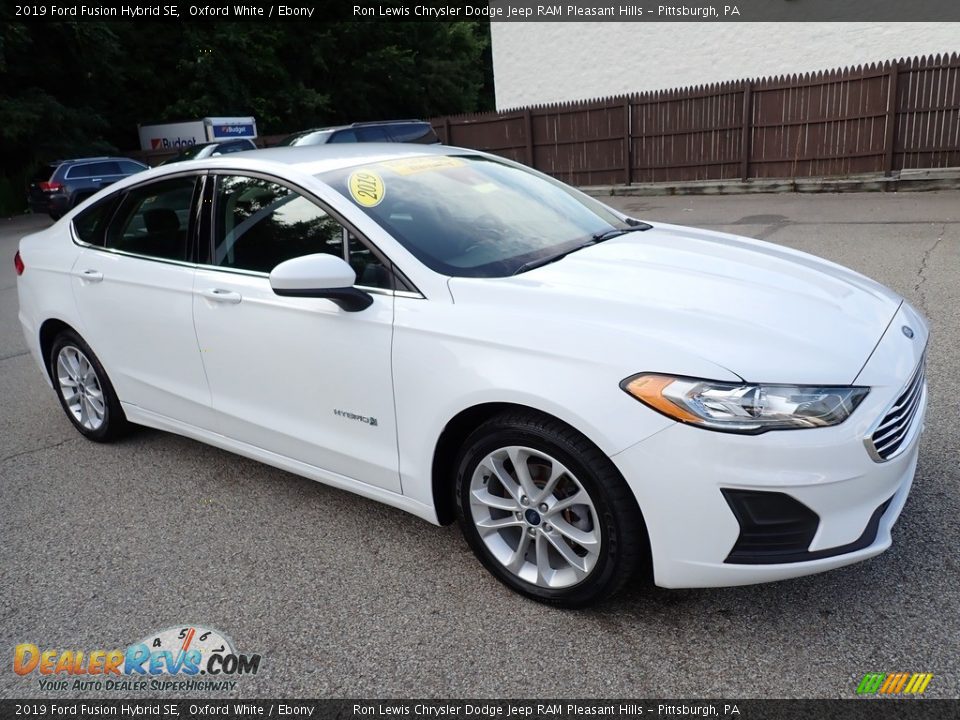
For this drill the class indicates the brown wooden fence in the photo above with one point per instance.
(875, 118)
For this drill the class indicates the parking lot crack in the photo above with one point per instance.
(922, 270)
(38, 449)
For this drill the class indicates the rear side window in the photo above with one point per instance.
(372, 134)
(108, 167)
(91, 224)
(94, 170)
(77, 172)
(154, 220)
(344, 136)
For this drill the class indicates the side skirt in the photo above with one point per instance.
(140, 416)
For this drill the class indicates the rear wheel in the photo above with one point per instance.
(546, 511)
(84, 390)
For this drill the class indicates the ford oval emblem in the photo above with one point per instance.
(907, 330)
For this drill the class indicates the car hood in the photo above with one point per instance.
(761, 311)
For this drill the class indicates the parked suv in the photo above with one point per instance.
(196, 152)
(73, 181)
(405, 131)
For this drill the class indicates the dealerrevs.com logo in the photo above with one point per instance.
(184, 658)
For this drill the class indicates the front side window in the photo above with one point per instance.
(258, 224)
(154, 220)
(471, 216)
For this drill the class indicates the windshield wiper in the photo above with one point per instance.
(552, 258)
(636, 226)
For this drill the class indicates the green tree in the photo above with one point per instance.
(72, 89)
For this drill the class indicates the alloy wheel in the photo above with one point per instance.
(535, 517)
(80, 388)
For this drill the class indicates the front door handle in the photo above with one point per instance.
(93, 276)
(222, 296)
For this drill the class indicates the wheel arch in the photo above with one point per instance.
(49, 330)
(451, 439)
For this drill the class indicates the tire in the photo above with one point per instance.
(55, 216)
(497, 516)
(76, 373)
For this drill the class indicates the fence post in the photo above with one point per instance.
(528, 131)
(891, 118)
(745, 130)
(446, 130)
(627, 141)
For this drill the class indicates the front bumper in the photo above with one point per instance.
(683, 478)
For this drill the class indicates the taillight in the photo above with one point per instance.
(18, 263)
(50, 186)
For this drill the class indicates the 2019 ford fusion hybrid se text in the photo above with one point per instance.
(461, 337)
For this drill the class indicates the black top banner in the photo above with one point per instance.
(636, 11)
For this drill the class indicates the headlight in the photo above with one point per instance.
(744, 407)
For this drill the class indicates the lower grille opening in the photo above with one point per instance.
(776, 528)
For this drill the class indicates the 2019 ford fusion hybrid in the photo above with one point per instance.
(461, 337)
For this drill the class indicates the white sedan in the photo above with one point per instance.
(458, 336)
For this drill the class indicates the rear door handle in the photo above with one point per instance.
(93, 276)
(222, 296)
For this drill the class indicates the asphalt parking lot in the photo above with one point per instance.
(343, 597)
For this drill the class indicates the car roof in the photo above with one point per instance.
(315, 159)
(91, 159)
(371, 123)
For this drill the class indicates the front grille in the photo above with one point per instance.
(889, 437)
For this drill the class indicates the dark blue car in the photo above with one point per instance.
(72, 181)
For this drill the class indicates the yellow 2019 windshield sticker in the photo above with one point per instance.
(366, 188)
(409, 166)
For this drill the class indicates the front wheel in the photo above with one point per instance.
(84, 390)
(546, 511)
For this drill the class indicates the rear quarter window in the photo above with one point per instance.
(92, 222)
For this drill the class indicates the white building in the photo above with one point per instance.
(548, 62)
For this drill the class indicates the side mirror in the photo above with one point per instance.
(320, 276)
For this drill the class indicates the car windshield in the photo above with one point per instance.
(472, 216)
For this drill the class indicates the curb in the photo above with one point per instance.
(905, 181)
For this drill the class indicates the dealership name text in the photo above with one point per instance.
(529, 710)
(558, 12)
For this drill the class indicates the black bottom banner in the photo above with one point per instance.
(861, 709)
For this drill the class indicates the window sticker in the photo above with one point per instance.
(366, 188)
(410, 166)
